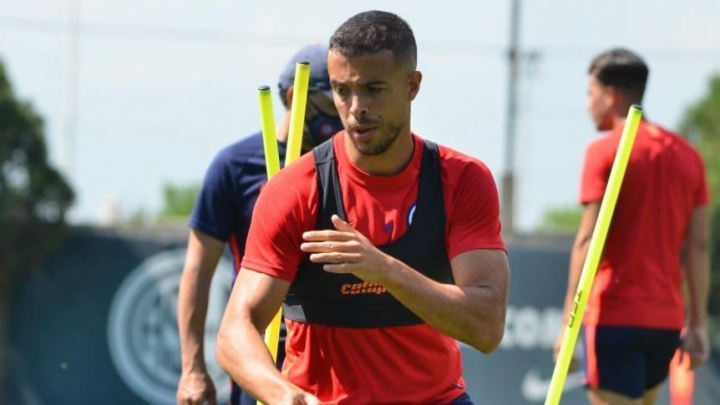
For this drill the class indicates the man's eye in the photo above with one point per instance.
(375, 89)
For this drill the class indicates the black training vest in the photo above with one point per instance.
(344, 300)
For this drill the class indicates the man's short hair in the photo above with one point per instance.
(375, 31)
(623, 70)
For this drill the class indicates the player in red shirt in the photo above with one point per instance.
(635, 312)
(383, 248)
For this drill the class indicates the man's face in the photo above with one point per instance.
(372, 95)
(599, 104)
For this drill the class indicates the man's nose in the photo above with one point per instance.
(358, 105)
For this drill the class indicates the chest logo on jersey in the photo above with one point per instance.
(388, 227)
(362, 288)
(411, 214)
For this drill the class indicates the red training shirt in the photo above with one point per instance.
(406, 364)
(639, 279)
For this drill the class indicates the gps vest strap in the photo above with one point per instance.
(343, 300)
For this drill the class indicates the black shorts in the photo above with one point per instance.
(627, 360)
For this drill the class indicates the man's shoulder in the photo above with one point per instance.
(679, 139)
(238, 156)
(460, 170)
(605, 140)
(242, 149)
(458, 162)
(296, 174)
(603, 147)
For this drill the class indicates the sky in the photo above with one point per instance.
(146, 92)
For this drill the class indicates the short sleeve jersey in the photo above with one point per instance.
(639, 278)
(405, 364)
(229, 191)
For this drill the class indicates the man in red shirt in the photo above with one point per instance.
(635, 312)
(383, 248)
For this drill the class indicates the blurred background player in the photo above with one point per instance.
(222, 213)
(635, 312)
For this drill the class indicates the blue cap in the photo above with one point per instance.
(316, 54)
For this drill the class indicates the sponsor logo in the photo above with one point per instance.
(362, 288)
(142, 327)
(388, 227)
(531, 328)
(534, 388)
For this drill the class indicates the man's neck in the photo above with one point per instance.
(618, 122)
(620, 116)
(388, 163)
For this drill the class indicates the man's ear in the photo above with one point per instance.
(288, 97)
(614, 97)
(414, 84)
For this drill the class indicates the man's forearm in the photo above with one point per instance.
(577, 260)
(474, 315)
(243, 355)
(697, 274)
(193, 298)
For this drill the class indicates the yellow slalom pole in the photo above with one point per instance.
(597, 243)
(272, 166)
(297, 111)
(272, 159)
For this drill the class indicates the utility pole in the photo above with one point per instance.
(508, 177)
(68, 102)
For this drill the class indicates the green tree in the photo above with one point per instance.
(561, 220)
(34, 198)
(701, 124)
(178, 202)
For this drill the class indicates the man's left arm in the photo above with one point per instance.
(471, 311)
(577, 261)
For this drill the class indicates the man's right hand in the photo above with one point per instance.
(575, 363)
(203, 254)
(299, 397)
(696, 344)
(196, 388)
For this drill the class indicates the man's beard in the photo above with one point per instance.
(385, 139)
